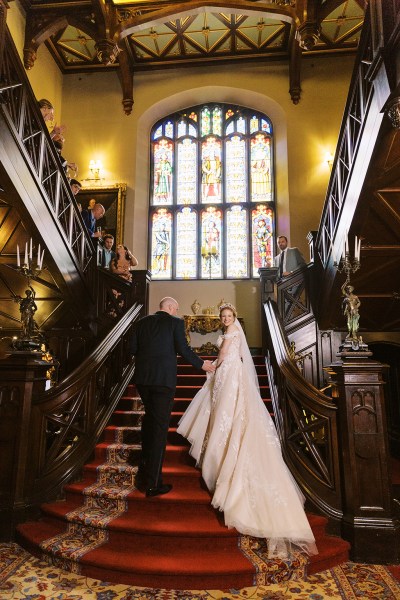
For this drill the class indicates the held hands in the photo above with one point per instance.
(208, 366)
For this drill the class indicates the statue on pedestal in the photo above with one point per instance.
(351, 304)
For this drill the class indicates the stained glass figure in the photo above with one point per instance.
(211, 170)
(186, 189)
(237, 248)
(262, 231)
(186, 243)
(241, 125)
(211, 243)
(205, 121)
(235, 175)
(157, 133)
(193, 116)
(162, 185)
(265, 125)
(169, 129)
(182, 127)
(260, 168)
(161, 244)
(216, 121)
(254, 124)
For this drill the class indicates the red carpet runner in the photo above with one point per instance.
(108, 530)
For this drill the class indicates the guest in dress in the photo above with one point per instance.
(235, 443)
(123, 263)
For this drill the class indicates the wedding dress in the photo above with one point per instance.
(234, 441)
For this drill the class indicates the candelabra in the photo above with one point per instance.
(350, 302)
(208, 254)
(30, 337)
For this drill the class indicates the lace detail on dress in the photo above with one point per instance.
(234, 439)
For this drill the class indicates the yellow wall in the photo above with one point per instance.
(97, 128)
(45, 78)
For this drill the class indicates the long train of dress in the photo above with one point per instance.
(234, 441)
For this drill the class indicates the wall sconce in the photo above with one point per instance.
(329, 159)
(95, 167)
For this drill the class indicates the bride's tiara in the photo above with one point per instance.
(227, 305)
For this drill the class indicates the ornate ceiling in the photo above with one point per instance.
(137, 35)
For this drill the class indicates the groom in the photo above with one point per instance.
(156, 341)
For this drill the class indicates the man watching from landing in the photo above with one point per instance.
(289, 259)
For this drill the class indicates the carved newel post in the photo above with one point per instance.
(368, 514)
(23, 377)
(268, 277)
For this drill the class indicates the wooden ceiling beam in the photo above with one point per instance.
(138, 22)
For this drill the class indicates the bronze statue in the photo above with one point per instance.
(350, 306)
(27, 308)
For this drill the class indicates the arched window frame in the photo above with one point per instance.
(187, 124)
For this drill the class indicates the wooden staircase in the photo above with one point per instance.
(176, 541)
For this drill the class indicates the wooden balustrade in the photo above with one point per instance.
(48, 435)
(306, 420)
(35, 155)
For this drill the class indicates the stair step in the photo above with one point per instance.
(151, 542)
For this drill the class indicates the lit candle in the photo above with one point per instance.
(38, 257)
(355, 247)
(30, 249)
(26, 254)
(359, 250)
(41, 260)
(18, 257)
(344, 252)
(346, 242)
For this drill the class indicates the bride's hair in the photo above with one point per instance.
(230, 306)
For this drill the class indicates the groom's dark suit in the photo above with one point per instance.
(156, 341)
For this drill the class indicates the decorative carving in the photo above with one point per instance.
(295, 94)
(308, 35)
(107, 51)
(30, 56)
(393, 112)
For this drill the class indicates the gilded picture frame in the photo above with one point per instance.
(113, 198)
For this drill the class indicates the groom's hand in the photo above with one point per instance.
(208, 366)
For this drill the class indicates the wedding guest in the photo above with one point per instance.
(106, 254)
(90, 218)
(75, 186)
(58, 144)
(123, 263)
(47, 110)
(289, 259)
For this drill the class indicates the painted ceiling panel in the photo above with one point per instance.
(342, 20)
(205, 34)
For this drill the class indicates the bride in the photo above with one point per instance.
(234, 441)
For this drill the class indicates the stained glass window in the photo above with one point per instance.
(212, 205)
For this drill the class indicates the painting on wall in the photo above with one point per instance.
(113, 199)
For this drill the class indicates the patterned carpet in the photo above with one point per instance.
(23, 577)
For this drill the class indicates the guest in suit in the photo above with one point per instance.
(156, 341)
(90, 217)
(106, 253)
(289, 259)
